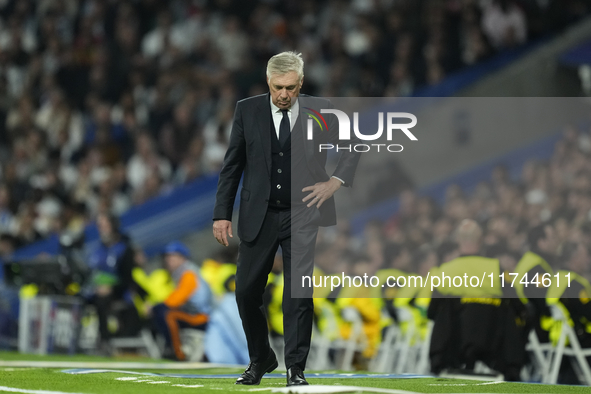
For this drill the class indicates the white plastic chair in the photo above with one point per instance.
(192, 343)
(319, 359)
(321, 345)
(561, 350)
(542, 354)
(144, 341)
(424, 364)
(384, 360)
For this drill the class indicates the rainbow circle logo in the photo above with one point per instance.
(316, 119)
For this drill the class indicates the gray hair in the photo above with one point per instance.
(285, 62)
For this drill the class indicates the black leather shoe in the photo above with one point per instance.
(255, 371)
(295, 377)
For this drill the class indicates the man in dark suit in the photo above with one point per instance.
(286, 194)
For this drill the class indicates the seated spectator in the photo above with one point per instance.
(145, 162)
(539, 260)
(189, 305)
(504, 24)
(217, 136)
(25, 230)
(7, 245)
(111, 264)
(474, 324)
(6, 215)
(191, 167)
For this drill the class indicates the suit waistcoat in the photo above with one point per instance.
(289, 170)
(280, 172)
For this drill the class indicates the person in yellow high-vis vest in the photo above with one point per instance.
(570, 291)
(473, 323)
(543, 245)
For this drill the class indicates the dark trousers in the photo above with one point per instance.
(103, 308)
(126, 314)
(168, 321)
(295, 231)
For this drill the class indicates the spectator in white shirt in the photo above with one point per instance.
(145, 161)
(504, 24)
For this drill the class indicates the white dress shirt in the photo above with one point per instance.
(292, 113)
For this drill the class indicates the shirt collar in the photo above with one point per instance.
(295, 106)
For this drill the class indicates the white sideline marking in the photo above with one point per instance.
(126, 378)
(158, 382)
(320, 389)
(90, 371)
(188, 386)
(15, 390)
(498, 378)
(114, 365)
(462, 384)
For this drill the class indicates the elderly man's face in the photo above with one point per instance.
(284, 88)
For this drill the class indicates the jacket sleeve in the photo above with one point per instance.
(232, 169)
(348, 161)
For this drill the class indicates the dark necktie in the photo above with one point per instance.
(284, 128)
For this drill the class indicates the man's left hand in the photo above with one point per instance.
(321, 192)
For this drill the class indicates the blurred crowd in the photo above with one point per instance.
(105, 104)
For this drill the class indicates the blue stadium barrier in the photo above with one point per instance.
(577, 56)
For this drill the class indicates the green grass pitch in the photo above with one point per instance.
(27, 380)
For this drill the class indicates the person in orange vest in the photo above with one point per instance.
(189, 305)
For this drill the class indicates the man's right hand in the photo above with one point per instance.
(221, 230)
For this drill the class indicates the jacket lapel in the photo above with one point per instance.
(264, 123)
(310, 146)
(303, 124)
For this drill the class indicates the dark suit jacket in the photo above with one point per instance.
(249, 152)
